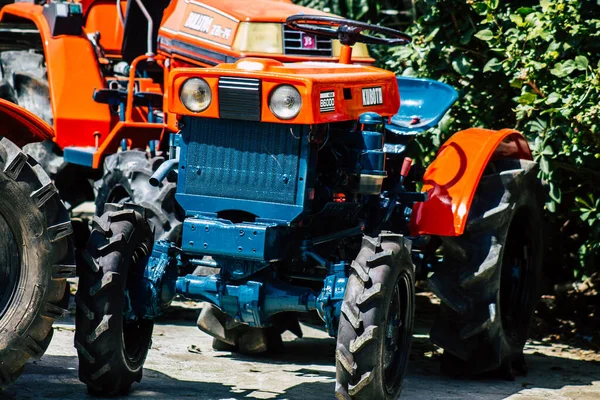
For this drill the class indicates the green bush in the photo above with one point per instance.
(533, 66)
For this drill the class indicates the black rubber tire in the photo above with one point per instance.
(25, 80)
(36, 239)
(126, 179)
(479, 334)
(115, 262)
(382, 266)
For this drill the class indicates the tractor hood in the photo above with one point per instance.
(329, 92)
(211, 32)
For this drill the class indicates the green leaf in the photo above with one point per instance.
(461, 64)
(492, 66)
(585, 215)
(480, 8)
(485, 35)
(581, 63)
(466, 37)
(552, 98)
(494, 4)
(527, 98)
(432, 35)
(517, 20)
(544, 166)
(517, 83)
(555, 193)
(564, 69)
(524, 10)
(548, 151)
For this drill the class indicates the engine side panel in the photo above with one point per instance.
(452, 179)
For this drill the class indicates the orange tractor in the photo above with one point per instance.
(273, 188)
(297, 193)
(96, 71)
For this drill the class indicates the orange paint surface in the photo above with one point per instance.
(452, 178)
(210, 26)
(73, 74)
(103, 18)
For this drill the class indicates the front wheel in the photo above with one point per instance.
(111, 343)
(375, 329)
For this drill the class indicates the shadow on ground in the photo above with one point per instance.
(56, 377)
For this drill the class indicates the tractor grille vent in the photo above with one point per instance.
(239, 98)
(296, 44)
(243, 160)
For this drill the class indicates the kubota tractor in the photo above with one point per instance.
(294, 183)
(81, 65)
(36, 251)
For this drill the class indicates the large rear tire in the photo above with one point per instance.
(126, 179)
(112, 348)
(375, 329)
(36, 257)
(489, 281)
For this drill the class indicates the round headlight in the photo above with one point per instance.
(195, 94)
(285, 102)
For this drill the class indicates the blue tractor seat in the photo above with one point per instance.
(423, 103)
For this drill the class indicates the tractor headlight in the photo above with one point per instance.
(285, 102)
(195, 94)
(259, 37)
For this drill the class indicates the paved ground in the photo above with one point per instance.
(182, 365)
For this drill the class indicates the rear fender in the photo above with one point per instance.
(21, 126)
(452, 178)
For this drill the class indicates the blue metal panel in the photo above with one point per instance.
(80, 155)
(256, 167)
(423, 103)
(251, 241)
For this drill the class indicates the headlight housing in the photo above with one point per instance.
(285, 102)
(259, 37)
(195, 94)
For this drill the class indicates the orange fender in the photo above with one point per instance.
(452, 178)
(21, 126)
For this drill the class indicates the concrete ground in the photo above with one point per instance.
(182, 365)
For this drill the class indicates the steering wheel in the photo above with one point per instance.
(347, 31)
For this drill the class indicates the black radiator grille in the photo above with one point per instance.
(293, 44)
(244, 160)
(239, 98)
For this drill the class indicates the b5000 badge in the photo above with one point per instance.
(327, 101)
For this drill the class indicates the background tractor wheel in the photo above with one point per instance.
(489, 281)
(25, 81)
(126, 179)
(111, 347)
(375, 330)
(36, 257)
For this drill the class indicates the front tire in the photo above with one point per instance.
(126, 179)
(375, 329)
(489, 281)
(112, 349)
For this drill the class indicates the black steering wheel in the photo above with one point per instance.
(347, 31)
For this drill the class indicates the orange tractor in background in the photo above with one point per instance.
(95, 70)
